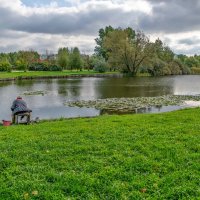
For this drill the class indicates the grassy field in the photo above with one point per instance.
(4, 75)
(144, 156)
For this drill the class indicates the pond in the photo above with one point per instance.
(47, 97)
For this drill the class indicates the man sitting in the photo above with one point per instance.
(19, 106)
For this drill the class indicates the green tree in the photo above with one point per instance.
(93, 60)
(12, 58)
(63, 57)
(158, 68)
(26, 58)
(192, 62)
(75, 59)
(181, 57)
(86, 61)
(100, 65)
(163, 52)
(128, 51)
(183, 68)
(99, 49)
(174, 68)
(5, 65)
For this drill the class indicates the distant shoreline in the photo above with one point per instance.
(30, 77)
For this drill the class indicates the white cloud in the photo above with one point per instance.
(49, 26)
(14, 41)
(183, 47)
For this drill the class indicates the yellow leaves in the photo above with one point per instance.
(26, 195)
(143, 190)
(33, 193)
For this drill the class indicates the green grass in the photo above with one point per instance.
(144, 156)
(4, 75)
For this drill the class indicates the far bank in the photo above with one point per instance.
(9, 76)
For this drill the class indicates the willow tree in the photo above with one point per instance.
(127, 49)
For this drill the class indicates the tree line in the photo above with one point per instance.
(117, 49)
(31, 60)
(132, 52)
(64, 59)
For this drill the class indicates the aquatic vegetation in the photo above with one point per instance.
(38, 92)
(131, 104)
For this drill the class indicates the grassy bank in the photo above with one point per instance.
(21, 75)
(147, 156)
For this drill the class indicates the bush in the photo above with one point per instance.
(186, 70)
(101, 66)
(5, 67)
(44, 67)
(195, 70)
(174, 68)
(20, 67)
(38, 67)
(158, 68)
(55, 68)
(183, 69)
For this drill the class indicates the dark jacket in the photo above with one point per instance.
(19, 105)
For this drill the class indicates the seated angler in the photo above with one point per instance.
(19, 106)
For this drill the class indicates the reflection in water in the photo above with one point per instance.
(58, 91)
(69, 88)
(153, 109)
(62, 89)
(135, 87)
(5, 83)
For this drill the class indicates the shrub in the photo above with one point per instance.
(38, 67)
(101, 66)
(177, 67)
(20, 65)
(158, 68)
(55, 68)
(185, 70)
(195, 70)
(5, 67)
(44, 67)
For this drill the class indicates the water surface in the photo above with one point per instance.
(58, 91)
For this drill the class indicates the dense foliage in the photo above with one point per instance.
(63, 57)
(100, 65)
(44, 67)
(5, 66)
(133, 52)
(19, 60)
(75, 60)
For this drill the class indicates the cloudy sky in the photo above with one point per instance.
(49, 24)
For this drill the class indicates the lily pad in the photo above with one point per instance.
(38, 92)
(130, 104)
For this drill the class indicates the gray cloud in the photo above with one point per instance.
(49, 30)
(167, 16)
(85, 22)
(189, 51)
(172, 16)
(189, 41)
